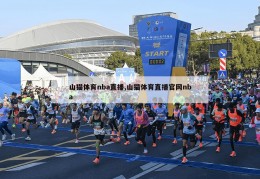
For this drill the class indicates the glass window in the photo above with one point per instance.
(62, 69)
(34, 66)
(28, 68)
(27, 63)
(53, 68)
(106, 42)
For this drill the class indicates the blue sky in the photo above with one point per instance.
(217, 15)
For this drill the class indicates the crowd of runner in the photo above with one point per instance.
(231, 105)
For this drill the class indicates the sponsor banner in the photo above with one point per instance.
(125, 75)
(10, 76)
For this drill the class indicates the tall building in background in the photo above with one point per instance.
(256, 21)
(137, 18)
(253, 29)
(81, 40)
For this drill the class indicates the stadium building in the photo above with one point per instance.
(61, 46)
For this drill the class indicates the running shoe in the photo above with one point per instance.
(13, 126)
(3, 137)
(154, 145)
(145, 151)
(201, 145)
(218, 149)
(184, 160)
(140, 142)
(53, 131)
(28, 138)
(174, 141)
(23, 130)
(13, 136)
(127, 143)
(76, 141)
(48, 125)
(96, 161)
(233, 154)
(42, 124)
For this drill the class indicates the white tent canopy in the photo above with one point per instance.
(125, 66)
(26, 76)
(44, 77)
(96, 69)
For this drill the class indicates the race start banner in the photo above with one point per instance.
(10, 76)
(164, 43)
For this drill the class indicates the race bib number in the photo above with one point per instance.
(99, 131)
(110, 114)
(186, 124)
(217, 118)
(1, 115)
(150, 118)
(233, 119)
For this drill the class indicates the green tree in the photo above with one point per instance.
(68, 56)
(246, 52)
(118, 59)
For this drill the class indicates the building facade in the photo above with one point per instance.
(253, 29)
(137, 18)
(81, 40)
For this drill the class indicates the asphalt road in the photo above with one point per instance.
(57, 156)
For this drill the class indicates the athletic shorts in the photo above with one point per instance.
(160, 124)
(199, 127)
(100, 137)
(31, 121)
(50, 115)
(188, 136)
(22, 114)
(75, 125)
(219, 126)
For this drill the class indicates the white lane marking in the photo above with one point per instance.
(13, 140)
(213, 144)
(25, 166)
(147, 171)
(120, 177)
(167, 168)
(66, 155)
(177, 152)
(148, 165)
(189, 152)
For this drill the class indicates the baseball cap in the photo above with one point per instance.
(184, 108)
(96, 108)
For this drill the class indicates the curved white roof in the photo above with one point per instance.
(56, 32)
